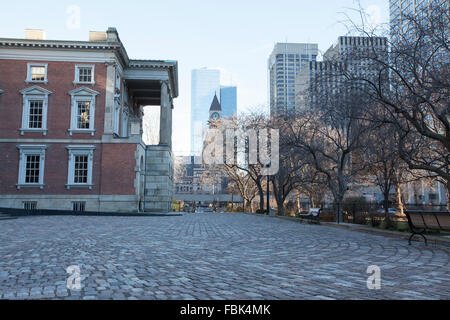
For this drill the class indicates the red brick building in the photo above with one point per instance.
(71, 126)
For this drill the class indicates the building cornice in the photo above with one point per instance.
(170, 65)
(58, 44)
(116, 46)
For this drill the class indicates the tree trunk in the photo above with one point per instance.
(339, 211)
(386, 203)
(279, 198)
(401, 206)
(261, 196)
(448, 195)
(312, 200)
(280, 208)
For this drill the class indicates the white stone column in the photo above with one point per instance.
(109, 99)
(165, 125)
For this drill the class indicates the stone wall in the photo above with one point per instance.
(159, 179)
(94, 203)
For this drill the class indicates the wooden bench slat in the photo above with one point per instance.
(431, 222)
(417, 220)
(444, 221)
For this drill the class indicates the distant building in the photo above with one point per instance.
(317, 80)
(228, 101)
(285, 63)
(205, 83)
(400, 10)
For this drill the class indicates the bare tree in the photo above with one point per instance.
(416, 95)
(150, 124)
(293, 161)
(241, 182)
(335, 136)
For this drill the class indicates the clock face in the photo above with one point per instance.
(215, 115)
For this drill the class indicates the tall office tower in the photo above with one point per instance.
(310, 84)
(285, 63)
(205, 83)
(354, 51)
(400, 10)
(348, 54)
(228, 100)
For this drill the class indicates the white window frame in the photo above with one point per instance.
(82, 95)
(29, 75)
(26, 150)
(29, 94)
(77, 73)
(77, 151)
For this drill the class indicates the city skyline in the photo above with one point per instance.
(231, 46)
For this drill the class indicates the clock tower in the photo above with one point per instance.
(215, 111)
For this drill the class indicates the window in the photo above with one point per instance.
(34, 114)
(30, 205)
(84, 74)
(37, 72)
(80, 166)
(31, 166)
(81, 169)
(83, 111)
(79, 206)
(83, 114)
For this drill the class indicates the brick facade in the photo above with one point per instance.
(116, 151)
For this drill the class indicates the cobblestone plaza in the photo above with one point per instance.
(211, 256)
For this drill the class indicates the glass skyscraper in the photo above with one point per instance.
(285, 63)
(400, 10)
(205, 83)
(228, 100)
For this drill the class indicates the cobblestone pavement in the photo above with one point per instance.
(211, 256)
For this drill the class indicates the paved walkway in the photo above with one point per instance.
(211, 256)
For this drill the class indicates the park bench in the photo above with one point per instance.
(421, 221)
(312, 215)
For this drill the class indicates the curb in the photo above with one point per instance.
(387, 233)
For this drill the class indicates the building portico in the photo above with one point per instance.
(154, 83)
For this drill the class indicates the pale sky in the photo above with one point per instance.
(236, 36)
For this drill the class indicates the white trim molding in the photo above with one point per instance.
(34, 93)
(82, 94)
(77, 150)
(77, 74)
(30, 65)
(31, 150)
